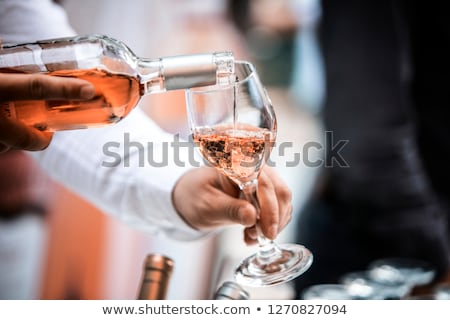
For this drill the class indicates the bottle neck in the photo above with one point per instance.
(185, 71)
(154, 285)
(231, 291)
(156, 276)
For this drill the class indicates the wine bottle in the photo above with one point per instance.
(231, 291)
(155, 278)
(119, 76)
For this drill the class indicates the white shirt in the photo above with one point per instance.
(80, 159)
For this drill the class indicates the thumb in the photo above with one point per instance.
(233, 210)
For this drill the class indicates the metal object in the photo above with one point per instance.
(231, 291)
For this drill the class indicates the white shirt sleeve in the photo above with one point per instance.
(138, 193)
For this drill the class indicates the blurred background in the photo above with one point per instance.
(74, 251)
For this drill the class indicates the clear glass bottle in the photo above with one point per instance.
(119, 76)
(155, 278)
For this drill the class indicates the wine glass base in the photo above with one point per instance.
(292, 261)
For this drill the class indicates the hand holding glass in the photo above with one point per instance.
(234, 126)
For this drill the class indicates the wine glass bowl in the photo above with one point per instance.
(234, 127)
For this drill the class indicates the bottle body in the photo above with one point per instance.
(155, 278)
(120, 79)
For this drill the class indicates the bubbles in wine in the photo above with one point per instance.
(238, 151)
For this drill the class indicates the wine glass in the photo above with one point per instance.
(234, 127)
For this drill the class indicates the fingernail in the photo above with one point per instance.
(87, 91)
(252, 234)
(273, 231)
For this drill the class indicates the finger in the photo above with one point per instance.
(200, 200)
(286, 218)
(231, 210)
(37, 86)
(283, 195)
(252, 232)
(17, 135)
(250, 236)
(269, 215)
(223, 210)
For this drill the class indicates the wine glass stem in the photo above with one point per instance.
(267, 248)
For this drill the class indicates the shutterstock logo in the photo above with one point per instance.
(156, 154)
(178, 152)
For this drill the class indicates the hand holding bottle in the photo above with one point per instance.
(17, 135)
(207, 199)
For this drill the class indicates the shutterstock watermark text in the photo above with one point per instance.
(326, 153)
